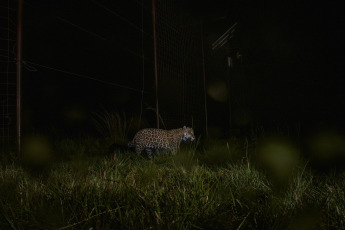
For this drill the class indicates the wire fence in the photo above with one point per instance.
(179, 66)
(180, 88)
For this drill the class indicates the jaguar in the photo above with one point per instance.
(151, 139)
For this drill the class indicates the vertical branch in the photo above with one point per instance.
(155, 57)
(19, 73)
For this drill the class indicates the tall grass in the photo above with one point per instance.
(188, 190)
(239, 183)
(115, 127)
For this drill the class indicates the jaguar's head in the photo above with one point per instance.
(188, 134)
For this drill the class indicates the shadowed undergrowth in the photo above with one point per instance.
(217, 188)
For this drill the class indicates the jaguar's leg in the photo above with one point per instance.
(138, 149)
(149, 152)
(173, 151)
(173, 148)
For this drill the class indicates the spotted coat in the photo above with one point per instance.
(152, 139)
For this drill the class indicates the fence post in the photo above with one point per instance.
(19, 73)
(155, 57)
(204, 76)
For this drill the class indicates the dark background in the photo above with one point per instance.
(291, 69)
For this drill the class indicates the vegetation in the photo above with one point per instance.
(256, 182)
(223, 185)
(116, 127)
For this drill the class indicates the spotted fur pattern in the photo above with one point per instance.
(152, 139)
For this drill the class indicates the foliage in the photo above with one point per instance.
(115, 127)
(189, 190)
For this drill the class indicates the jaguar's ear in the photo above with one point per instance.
(184, 127)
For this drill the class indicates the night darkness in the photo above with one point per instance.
(291, 69)
(259, 89)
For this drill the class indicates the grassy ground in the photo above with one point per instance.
(221, 186)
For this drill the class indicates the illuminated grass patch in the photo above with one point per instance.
(184, 191)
